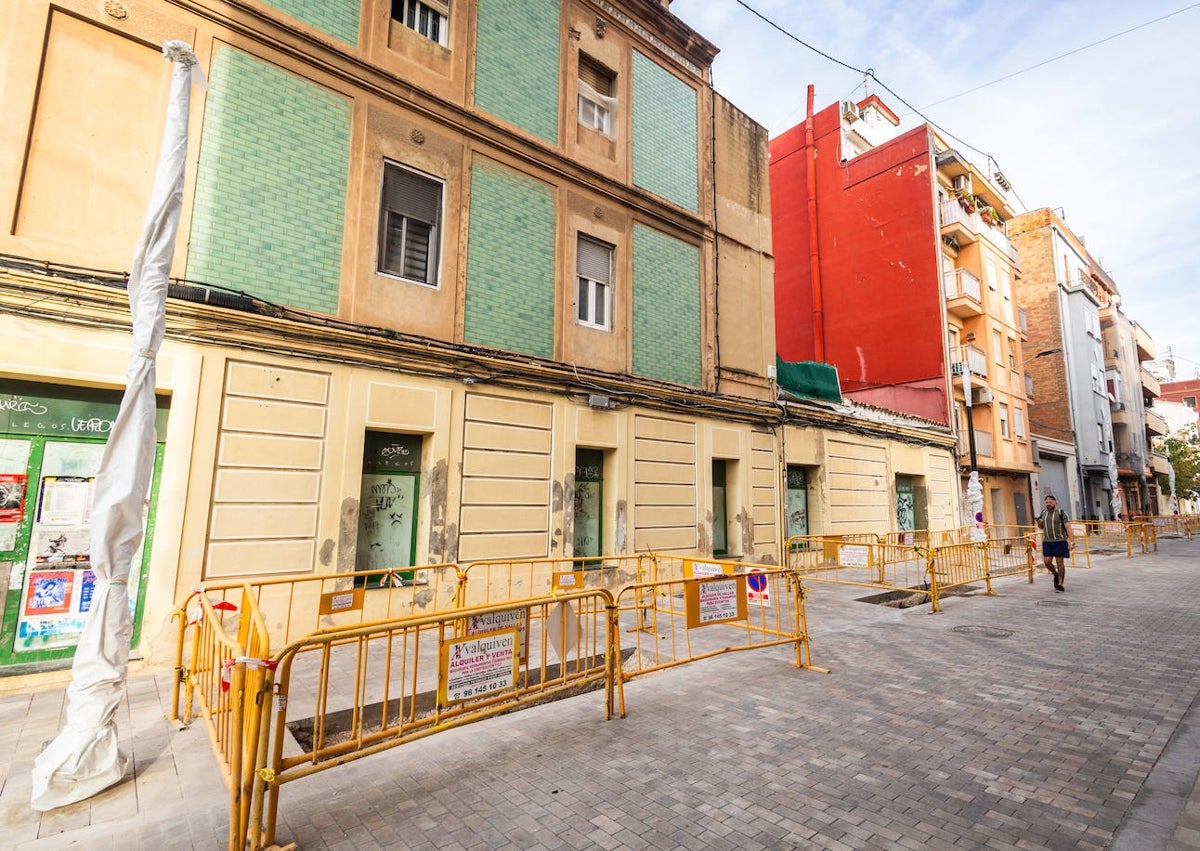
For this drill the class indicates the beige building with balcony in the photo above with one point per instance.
(986, 331)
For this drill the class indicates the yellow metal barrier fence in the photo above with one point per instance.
(891, 564)
(1171, 524)
(348, 692)
(298, 604)
(832, 558)
(1114, 534)
(224, 675)
(702, 608)
(497, 580)
(955, 565)
(377, 658)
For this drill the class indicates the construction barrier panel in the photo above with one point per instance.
(347, 692)
(484, 582)
(860, 560)
(1114, 534)
(224, 677)
(1173, 525)
(298, 604)
(956, 565)
(700, 608)
(892, 564)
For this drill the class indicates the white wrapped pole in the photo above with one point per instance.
(1118, 503)
(84, 759)
(975, 506)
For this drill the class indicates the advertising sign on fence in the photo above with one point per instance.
(713, 600)
(695, 569)
(854, 555)
(474, 667)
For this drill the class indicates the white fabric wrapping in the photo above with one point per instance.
(975, 506)
(85, 759)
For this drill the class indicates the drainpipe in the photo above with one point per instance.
(815, 258)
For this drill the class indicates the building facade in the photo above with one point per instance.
(1084, 364)
(893, 265)
(489, 280)
(1182, 391)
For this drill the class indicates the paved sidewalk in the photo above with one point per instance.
(1027, 720)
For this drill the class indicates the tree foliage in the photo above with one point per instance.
(1183, 451)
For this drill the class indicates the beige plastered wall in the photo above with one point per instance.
(852, 479)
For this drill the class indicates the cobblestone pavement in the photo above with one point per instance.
(1021, 721)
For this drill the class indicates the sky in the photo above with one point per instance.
(1108, 136)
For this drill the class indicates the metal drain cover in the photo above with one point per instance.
(985, 631)
(1061, 604)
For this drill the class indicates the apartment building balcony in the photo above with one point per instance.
(1156, 425)
(976, 361)
(964, 297)
(1151, 387)
(999, 239)
(983, 444)
(1160, 465)
(1145, 345)
(1029, 386)
(1131, 464)
(959, 224)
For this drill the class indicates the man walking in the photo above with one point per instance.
(1057, 540)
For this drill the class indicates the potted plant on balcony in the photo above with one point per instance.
(967, 200)
(989, 215)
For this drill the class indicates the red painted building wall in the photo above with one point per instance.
(877, 256)
(1182, 391)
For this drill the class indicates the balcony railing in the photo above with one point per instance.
(1160, 464)
(965, 226)
(983, 443)
(963, 293)
(1131, 461)
(1150, 384)
(1156, 425)
(997, 237)
(1145, 344)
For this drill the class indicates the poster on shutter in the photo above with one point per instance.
(60, 545)
(49, 592)
(65, 501)
(12, 498)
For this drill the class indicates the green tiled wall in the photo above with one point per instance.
(271, 186)
(338, 18)
(517, 63)
(665, 147)
(666, 308)
(510, 263)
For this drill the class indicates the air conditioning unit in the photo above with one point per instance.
(981, 395)
(962, 184)
(850, 110)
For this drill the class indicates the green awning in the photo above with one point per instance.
(809, 379)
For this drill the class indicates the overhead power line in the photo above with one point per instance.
(869, 72)
(1063, 55)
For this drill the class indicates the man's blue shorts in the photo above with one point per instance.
(1056, 548)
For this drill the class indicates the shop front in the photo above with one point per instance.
(51, 441)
